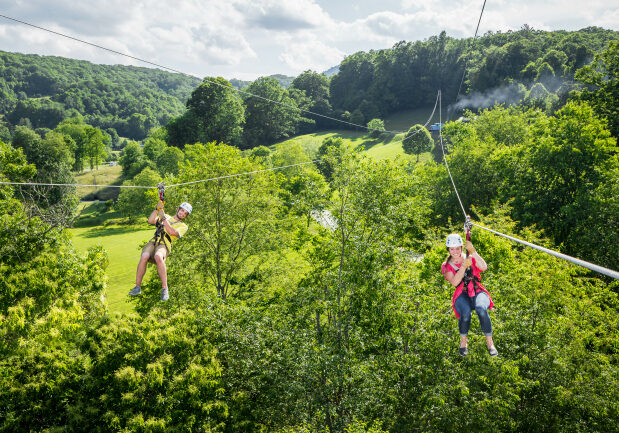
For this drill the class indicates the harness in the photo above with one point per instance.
(468, 277)
(466, 281)
(468, 273)
(161, 234)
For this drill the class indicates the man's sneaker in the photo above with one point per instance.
(463, 351)
(136, 291)
(164, 294)
(492, 351)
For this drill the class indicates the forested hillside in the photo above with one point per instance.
(501, 67)
(131, 100)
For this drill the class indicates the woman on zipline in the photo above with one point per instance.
(464, 274)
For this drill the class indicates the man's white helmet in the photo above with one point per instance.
(454, 240)
(186, 206)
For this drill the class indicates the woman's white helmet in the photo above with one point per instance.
(454, 240)
(186, 206)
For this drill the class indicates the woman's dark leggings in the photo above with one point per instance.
(463, 307)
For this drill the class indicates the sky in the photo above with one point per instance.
(247, 39)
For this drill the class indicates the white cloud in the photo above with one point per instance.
(249, 38)
(416, 4)
(308, 52)
(208, 32)
(282, 15)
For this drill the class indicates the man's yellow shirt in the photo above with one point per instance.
(177, 225)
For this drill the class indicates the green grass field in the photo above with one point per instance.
(388, 146)
(403, 120)
(122, 245)
(102, 175)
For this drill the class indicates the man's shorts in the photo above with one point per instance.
(151, 249)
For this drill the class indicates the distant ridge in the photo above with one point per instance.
(283, 80)
(332, 71)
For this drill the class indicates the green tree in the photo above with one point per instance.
(557, 60)
(417, 141)
(53, 159)
(153, 147)
(215, 113)
(529, 72)
(86, 141)
(570, 157)
(95, 146)
(47, 301)
(544, 72)
(26, 139)
(289, 154)
(316, 88)
(601, 80)
(40, 112)
(132, 160)
(262, 152)
(306, 192)
(346, 297)
(265, 121)
(357, 117)
(376, 127)
(135, 203)
(169, 161)
(324, 164)
(539, 97)
(233, 220)
(167, 367)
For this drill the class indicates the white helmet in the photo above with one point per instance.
(186, 206)
(454, 240)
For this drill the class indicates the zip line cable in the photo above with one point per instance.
(579, 262)
(242, 174)
(193, 76)
(168, 186)
(75, 184)
(591, 266)
(440, 133)
(466, 63)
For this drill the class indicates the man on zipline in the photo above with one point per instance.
(159, 247)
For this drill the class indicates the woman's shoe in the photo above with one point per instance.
(463, 351)
(492, 351)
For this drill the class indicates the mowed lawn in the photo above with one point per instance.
(386, 146)
(122, 246)
(101, 175)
